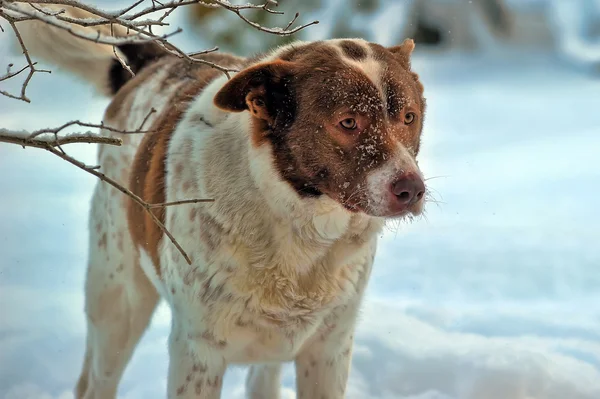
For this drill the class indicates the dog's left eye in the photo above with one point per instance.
(409, 118)
(348, 123)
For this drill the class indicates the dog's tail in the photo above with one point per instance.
(97, 63)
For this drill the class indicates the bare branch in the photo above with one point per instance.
(30, 66)
(52, 143)
(152, 111)
(10, 74)
(182, 202)
(26, 139)
(62, 127)
(118, 57)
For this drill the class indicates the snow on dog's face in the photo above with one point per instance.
(343, 118)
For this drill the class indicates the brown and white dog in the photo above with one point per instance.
(306, 151)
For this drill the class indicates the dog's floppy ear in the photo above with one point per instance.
(404, 51)
(262, 89)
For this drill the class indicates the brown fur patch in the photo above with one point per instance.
(353, 50)
(148, 170)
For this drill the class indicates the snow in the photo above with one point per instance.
(493, 295)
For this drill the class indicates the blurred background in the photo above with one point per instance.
(493, 294)
(568, 28)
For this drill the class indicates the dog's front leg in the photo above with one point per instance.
(322, 368)
(196, 367)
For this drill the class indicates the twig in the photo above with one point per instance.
(60, 128)
(118, 57)
(182, 202)
(152, 111)
(10, 74)
(197, 53)
(52, 145)
(25, 139)
(30, 66)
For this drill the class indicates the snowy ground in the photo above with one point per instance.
(495, 295)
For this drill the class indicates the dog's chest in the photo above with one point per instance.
(258, 314)
(252, 336)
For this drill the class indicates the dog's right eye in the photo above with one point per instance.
(348, 123)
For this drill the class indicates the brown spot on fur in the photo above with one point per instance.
(210, 231)
(181, 390)
(200, 368)
(215, 382)
(120, 238)
(199, 119)
(179, 169)
(198, 387)
(241, 323)
(102, 241)
(353, 50)
(210, 292)
(209, 338)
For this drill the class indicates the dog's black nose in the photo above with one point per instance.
(408, 189)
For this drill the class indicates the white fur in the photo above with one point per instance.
(378, 181)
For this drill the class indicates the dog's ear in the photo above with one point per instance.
(403, 52)
(262, 89)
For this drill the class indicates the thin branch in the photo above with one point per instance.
(10, 74)
(25, 139)
(60, 128)
(30, 66)
(197, 53)
(182, 202)
(152, 111)
(118, 57)
(52, 144)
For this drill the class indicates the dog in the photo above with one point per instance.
(306, 152)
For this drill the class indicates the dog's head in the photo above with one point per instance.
(343, 119)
